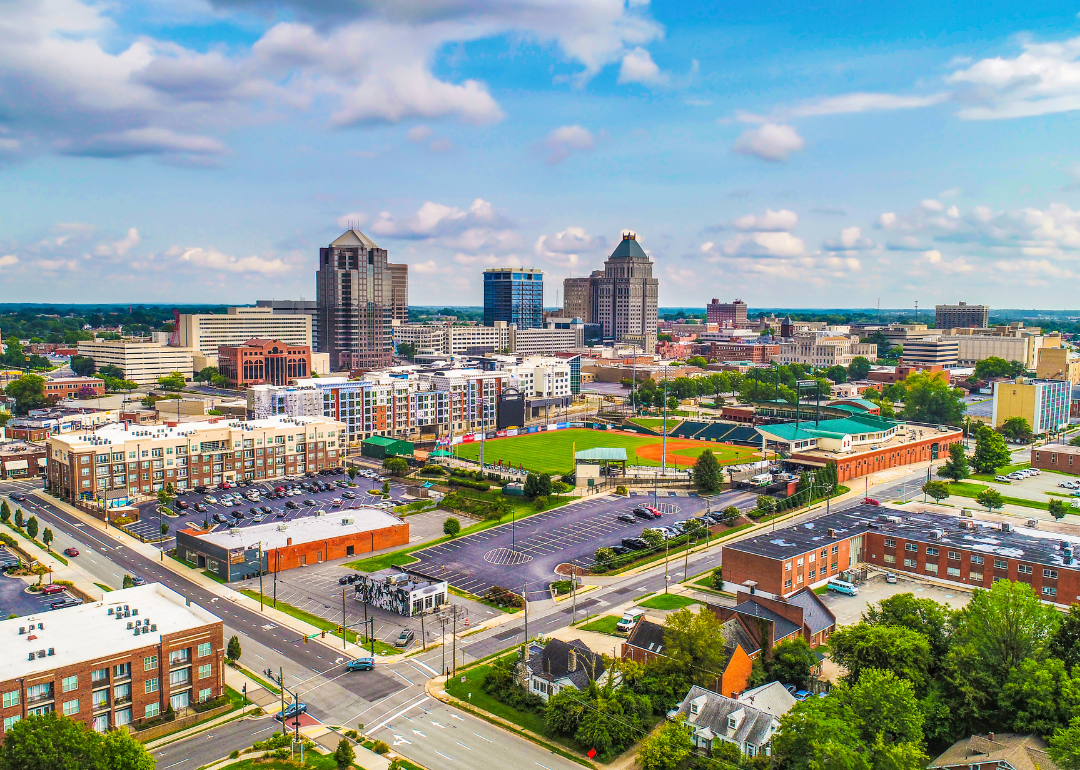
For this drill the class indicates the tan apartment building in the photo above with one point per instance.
(142, 362)
(1058, 364)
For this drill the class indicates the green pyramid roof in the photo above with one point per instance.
(629, 247)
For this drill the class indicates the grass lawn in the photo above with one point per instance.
(602, 625)
(312, 759)
(966, 489)
(705, 581)
(655, 423)
(401, 557)
(103, 587)
(667, 602)
(553, 452)
(481, 600)
(326, 625)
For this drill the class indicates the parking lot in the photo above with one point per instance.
(285, 509)
(1035, 487)
(850, 609)
(15, 601)
(527, 552)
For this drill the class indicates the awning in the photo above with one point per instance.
(43, 461)
(16, 465)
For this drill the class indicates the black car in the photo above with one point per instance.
(17, 497)
(343, 580)
(292, 505)
(62, 604)
(266, 509)
(634, 543)
(220, 518)
(136, 580)
(252, 511)
(309, 501)
(238, 515)
(200, 507)
(641, 513)
(627, 517)
(619, 550)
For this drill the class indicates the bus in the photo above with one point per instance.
(842, 587)
(761, 479)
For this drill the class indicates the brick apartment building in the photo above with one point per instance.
(1056, 457)
(754, 353)
(69, 387)
(298, 543)
(264, 362)
(119, 661)
(957, 549)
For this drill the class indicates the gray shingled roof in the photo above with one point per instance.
(816, 615)
(755, 726)
(647, 636)
(551, 661)
(784, 627)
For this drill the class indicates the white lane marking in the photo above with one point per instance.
(404, 677)
(421, 663)
(383, 723)
(455, 716)
(398, 740)
(462, 745)
(419, 733)
(444, 756)
(478, 735)
(544, 766)
(437, 725)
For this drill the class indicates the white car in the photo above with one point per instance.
(999, 477)
(214, 501)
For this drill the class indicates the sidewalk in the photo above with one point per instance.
(60, 571)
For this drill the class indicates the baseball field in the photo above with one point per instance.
(553, 451)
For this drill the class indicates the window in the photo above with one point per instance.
(798, 578)
(204, 649)
(1001, 564)
(1024, 569)
(910, 563)
(750, 749)
(180, 700)
(150, 663)
(121, 671)
(100, 699)
(732, 724)
(1050, 573)
(930, 567)
(799, 562)
(101, 723)
(122, 693)
(890, 559)
(953, 571)
(835, 550)
(180, 657)
(11, 699)
(123, 717)
(787, 583)
(931, 551)
(71, 707)
(911, 546)
(70, 683)
(180, 677)
(787, 567)
(693, 707)
(9, 721)
(150, 685)
(810, 575)
(812, 558)
(153, 710)
(889, 543)
(1049, 591)
(206, 694)
(976, 576)
(954, 555)
(976, 559)
(204, 671)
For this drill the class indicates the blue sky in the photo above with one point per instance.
(794, 154)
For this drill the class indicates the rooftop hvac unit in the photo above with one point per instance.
(282, 527)
(31, 656)
(1033, 523)
(966, 512)
(937, 534)
(153, 628)
(52, 651)
(348, 521)
(130, 625)
(893, 519)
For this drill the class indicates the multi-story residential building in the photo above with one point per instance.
(931, 351)
(514, 296)
(824, 350)
(956, 549)
(354, 290)
(68, 387)
(119, 661)
(206, 333)
(579, 296)
(961, 314)
(626, 297)
(260, 361)
(557, 335)
(726, 313)
(308, 307)
(1043, 403)
(399, 292)
(120, 463)
(545, 383)
(141, 362)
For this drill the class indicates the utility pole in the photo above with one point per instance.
(573, 595)
(663, 450)
(453, 655)
(343, 631)
(281, 682)
(423, 638)
(525, 598)
(666, 550)
(260, 577)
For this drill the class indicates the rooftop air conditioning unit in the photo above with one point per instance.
(1033, 523)
(937, 534)
(282, 527)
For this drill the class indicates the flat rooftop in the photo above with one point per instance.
(89, 631)
(302, 530)
(116, 433)
(1034, 545)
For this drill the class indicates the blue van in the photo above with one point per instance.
(842, 587)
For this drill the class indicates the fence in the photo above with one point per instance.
(180, 723)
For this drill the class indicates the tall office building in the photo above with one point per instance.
(961, 315)
(354, 290)
(308, 307)
(514, 295)
(733, 313)
(626, 298)
(579, 296)
(399, 293)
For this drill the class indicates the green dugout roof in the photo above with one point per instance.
(844, 426)
(855, 403)
(602, 453)
(381, 441)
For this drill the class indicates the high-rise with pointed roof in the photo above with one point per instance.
(626, 296)
(355, 292)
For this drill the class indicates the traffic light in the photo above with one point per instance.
(305, 640)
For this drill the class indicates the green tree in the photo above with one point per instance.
(120, 750)
(992, 367)
(791, 662)
(653, 537)
(707, 474)
(698, 361)
(695, 645)
(990, 498)
(344, 754)
(164, 529)
(451, 527)
(28, 392)
(565, 710)
(5, 512)
(1040, 696)
(604, 556)
(765, 505)
(865, 647)
(667, 748)
(232, 650)
(82, 365)
(531, 488)
(1065, 746)
(32, 528)
(206, 374)
(731, 513)
(51, 742)
(717, 579)
(352, 470)
(386, 487)
(406, 350)
(47, 537)
(113, 372)
(858, 368)
(837, 374)
(19, 520)
(930, 399)
(924, 616)
(938, 490)
(128, 581)
(1057, 508)
(1016, 429)
(172, 381)
(1065, 641)
(543, 484)
(991, 451)
(956, 467)
(221, 381)
(396, 466)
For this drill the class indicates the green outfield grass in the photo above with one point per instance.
(553, 452)
(655, 423)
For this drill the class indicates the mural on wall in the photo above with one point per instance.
(384, 595)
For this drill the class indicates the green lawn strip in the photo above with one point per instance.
(215, 577)
(471, 691)
(602, 625)
(321, 623)
(481, 600)
(668, 602)
(23, 533)
(265, 684)
(103, 587)
(401, 557)
(312, 759)
(964, 489)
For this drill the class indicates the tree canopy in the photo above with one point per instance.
(929, 398)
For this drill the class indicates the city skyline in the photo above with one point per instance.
(174, 151)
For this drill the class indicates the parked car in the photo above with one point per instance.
(349, 495)
(67, 601)
(52, 588)
(292, 710)
(802, 695)
(238, 515)
(628, 517)
(343, 580)
(634, 543)
(792, 689)
(210, 499)
(890, 577)
(201, 489)
(619, 550)
(361, 664)
(200, 507)
(641, 513)
(1004, 479)
(73, 551)
(292, 505)
(309, 501)
(405, 638)
(219, 518)
(266, 509)
(181, 505)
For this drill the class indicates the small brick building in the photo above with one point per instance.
(264, 362)
(1063, 458)
(233, 554)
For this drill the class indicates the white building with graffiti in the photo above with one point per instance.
(406, 593)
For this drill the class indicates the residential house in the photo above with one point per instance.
(712, 718)
(768, 621)
(995, 751)
(546, 669)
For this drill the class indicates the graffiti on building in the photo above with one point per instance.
(401, 593)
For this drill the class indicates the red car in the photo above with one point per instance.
(52, 588)
(71, 551)
(656, 514)
(870, 501)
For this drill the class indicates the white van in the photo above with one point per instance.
(629, 620)
(761, 479)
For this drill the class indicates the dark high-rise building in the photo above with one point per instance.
(579, 297)
(626, 298)
(961, 316)
(354, 289)
(514, 295)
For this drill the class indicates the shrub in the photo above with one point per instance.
(482, 486)
(481, 509)
(504, 597)
(380, 747)
(620, 490)
(451, 527)
(234, 754)
(541, 502)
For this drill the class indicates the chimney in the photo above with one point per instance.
(571, 660)
(288, 541)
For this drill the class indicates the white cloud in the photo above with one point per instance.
(764, 244)
(769, 142)
(7, 260)
(565, 247)
(212, 259)
(850, 239)
(770, 221)
(638, 67)
(566, 139)
(441, 145)
(119, 248)
(864, 102)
